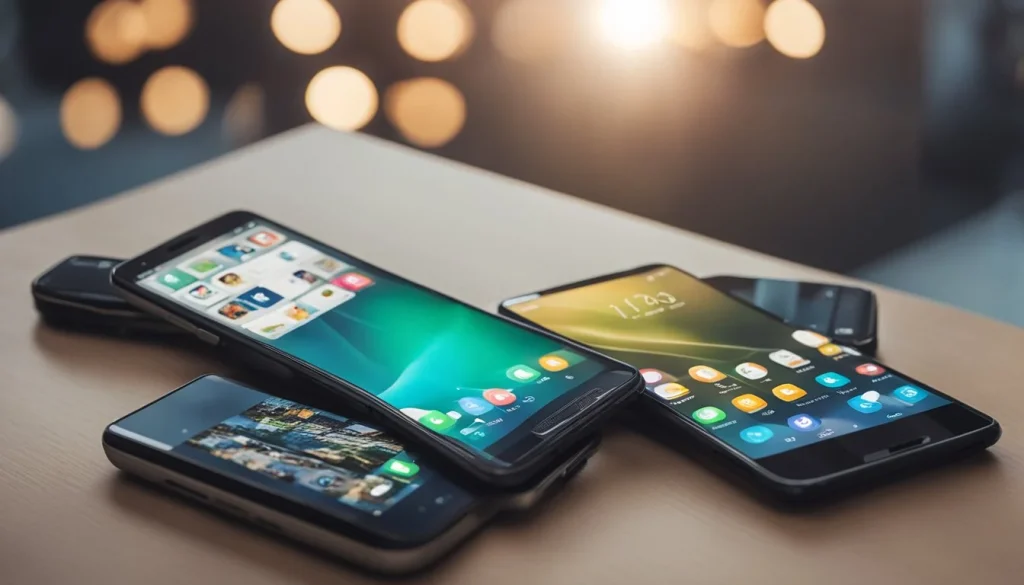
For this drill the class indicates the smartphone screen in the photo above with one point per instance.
(749, 380)
(458, 371)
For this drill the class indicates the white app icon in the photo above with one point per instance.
(788, 359)
(751, 371)
(803, 422)
(651, 376)
(810, 338)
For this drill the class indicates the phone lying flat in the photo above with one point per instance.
(324, 480)
(797, 413)
(497, 400)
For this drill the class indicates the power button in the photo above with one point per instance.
(207, 337)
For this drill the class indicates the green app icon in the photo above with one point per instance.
(176, 279)
(522, 373)
(205, 265)
(436, 420)
(708, 415)
(401, 468)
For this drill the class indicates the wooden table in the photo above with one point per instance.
(640, 513)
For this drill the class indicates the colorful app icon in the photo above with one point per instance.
(866, 402)
(788, 359)
(910, 394)
(474, 406)
(326, 267)
(803, 422)
(239, 252)
(832, 380)
(830, 349)
(705, 374)
(870, 370)
(571, 358)
(236, 309)
(671, 390)
(756, 434)
(652, 376)
(788, 392)
(175, 279)
(261, 297)
(204, 265)
(752, 371)
(401, 468)
(749, 403)
(230, 280)
(299, 311)
(810, 338)
(553, 363)
(499, 396)
(436, 420)
(352, 281)
(264, 239)
(305, 276)
(522, 373)
(708, 415)
(201, 292)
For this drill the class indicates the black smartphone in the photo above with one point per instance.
(794, 411)
(330, 482)
(408, 357)
(847, 314)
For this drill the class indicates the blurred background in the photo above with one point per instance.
(876, 138)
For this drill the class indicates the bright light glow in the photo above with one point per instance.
(634, 24)
(167, 22)
(529, 30)
(307, 27)
(8, 128)
(175, 100)
(244, 115)
(794, 28)
(691, 25)
(90, 113)
(116, 31)
(343, 98)
(737, 23)
(428, 111)
(435, 30)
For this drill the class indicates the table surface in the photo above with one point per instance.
(639, 513)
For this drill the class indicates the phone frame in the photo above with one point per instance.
(782, 474)
(536, 451)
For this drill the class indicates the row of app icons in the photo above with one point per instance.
(211, 261)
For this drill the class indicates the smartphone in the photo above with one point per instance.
(496, 400)
(847, 314)
(799, 414)
(322, 479)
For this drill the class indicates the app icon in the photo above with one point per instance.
(401, 468)
(910, 394)
(305, 276)
(756, 434)
(671, 390)
(788, 392)
(705, 374)
(830, 349)
(230, 280)
(436, 420)
(522, 373)
(499, 397)
(870, 370)
(570, 358)
(866, 402)
(832, 380)
(803, 422)
(474, 406)
(239, 252)
(352, 281)
(264, 239)
(749, 403)
(326, 267)
(299, 311)
(810, 338)
(176, 279)
(236, 309)
(203, 293)
(850, 350)
(708, 415)
(788, 359)
(652, 376)
(553, 363)
(270, 326)
(204, 265)
(261, 297)
(752, 371)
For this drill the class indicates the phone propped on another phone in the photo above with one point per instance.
(802, 416)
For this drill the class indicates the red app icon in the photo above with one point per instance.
(499, 396)
(870, 370)
(352, 281)
(264, 239)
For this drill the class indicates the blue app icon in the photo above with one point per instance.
(239, 252)
(832, 380)
(803, 422)
(863, 403)
(261, 297)
(474, 406)
(756, 434)
(910, 394)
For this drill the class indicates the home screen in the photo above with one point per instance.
(457, 371)
(746, 378)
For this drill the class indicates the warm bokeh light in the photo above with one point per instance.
(167, 22)
(90, 113)
(244, 115)
(691, 28)
(175, 100)
(307, 27)
(528, 30)
(342, 98)
(737, 23)
(428, 111)
(794, 28)
(634, 24)
(116, 31)
(435, 30)
(8, 129)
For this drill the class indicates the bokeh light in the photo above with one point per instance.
(794, 28)
(116, 31)
(634, 24)
(737, 23)
(245, 114)
(691, 28)
(427, 111)
(307, 27)
(528, 30)
(167, 22)
(90, 113)
(175, 100)
(8, 129)
(342, 98)
(435, 30)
